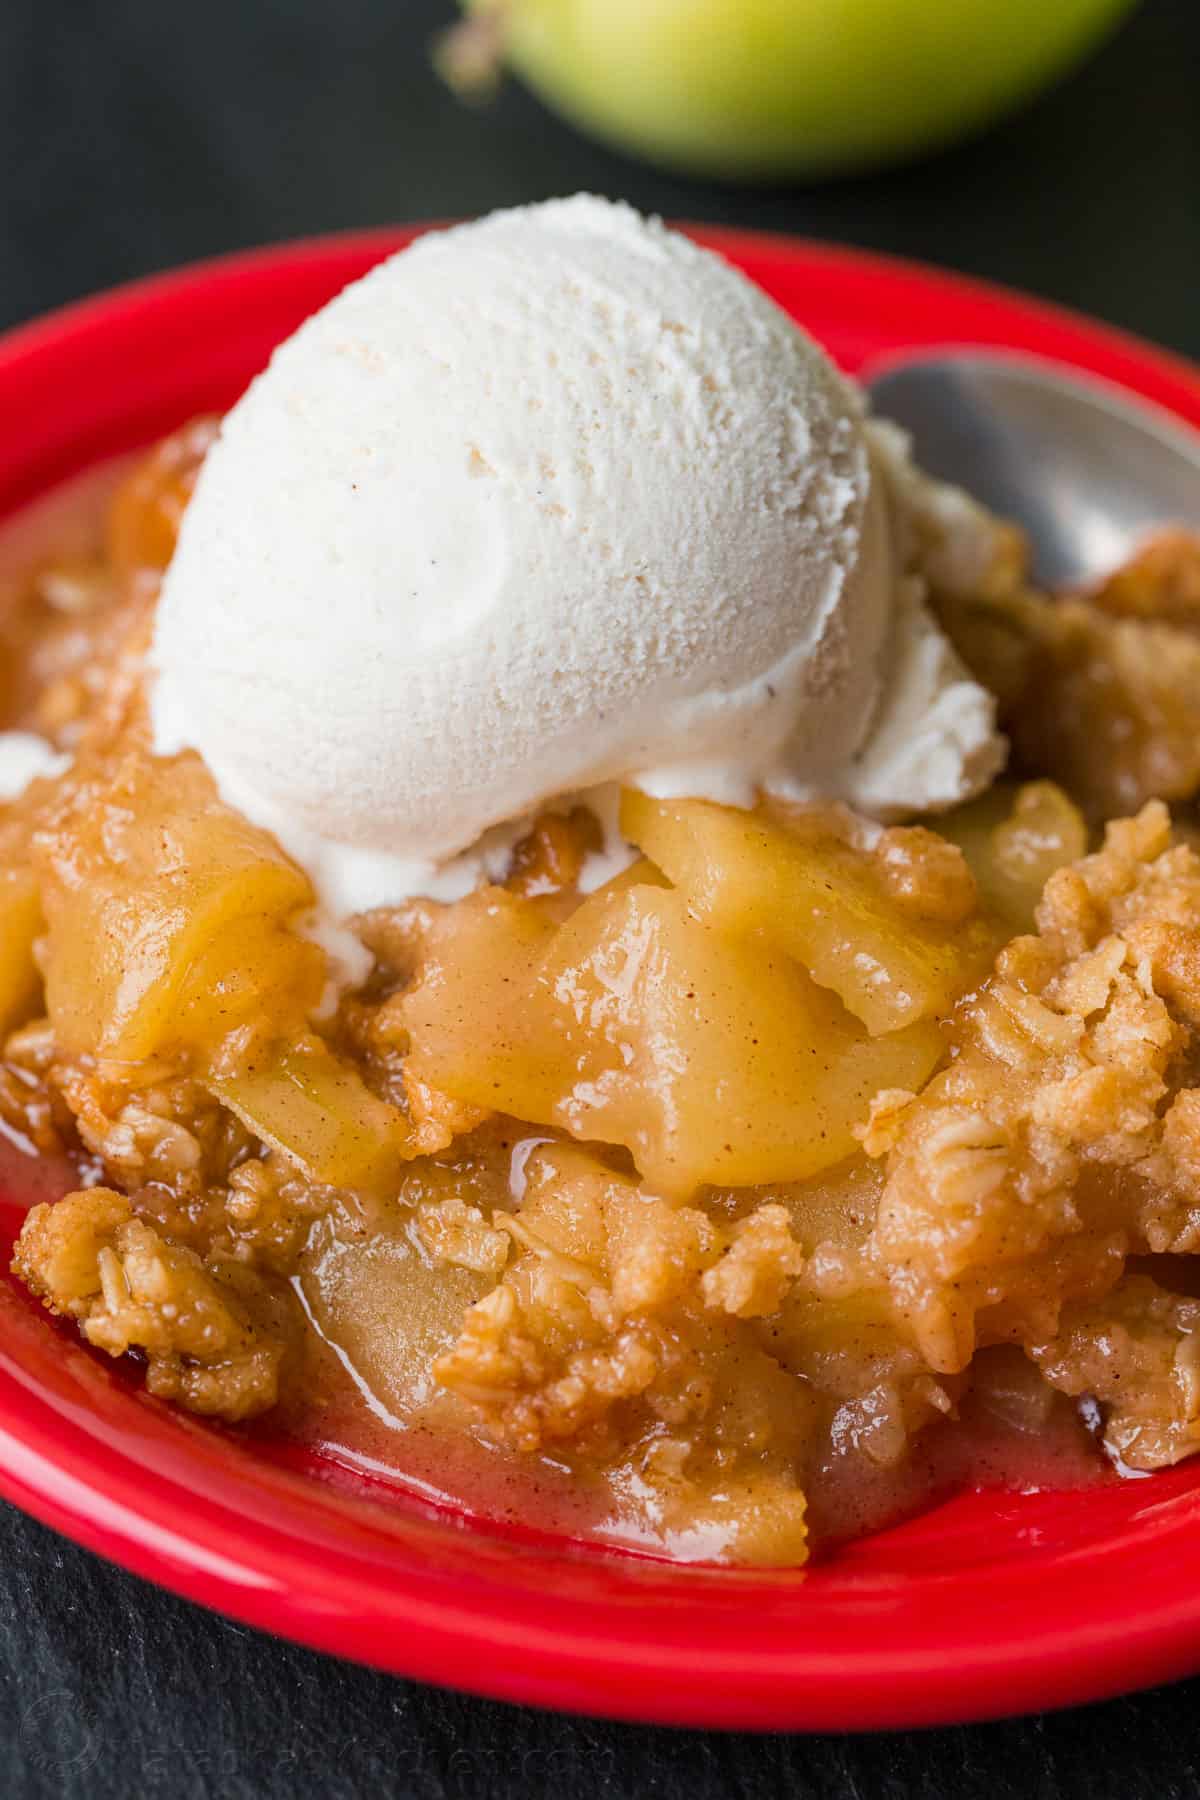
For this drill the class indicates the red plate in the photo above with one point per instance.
(989, 1603)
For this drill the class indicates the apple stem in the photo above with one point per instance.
(469, 56)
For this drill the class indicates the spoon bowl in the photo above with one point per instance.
(1084, 469)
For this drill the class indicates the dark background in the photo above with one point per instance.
(139, 133)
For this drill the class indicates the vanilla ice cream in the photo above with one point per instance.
(544, 503)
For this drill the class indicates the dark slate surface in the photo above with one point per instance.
(139, 133)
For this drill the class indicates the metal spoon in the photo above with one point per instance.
(1084, 468)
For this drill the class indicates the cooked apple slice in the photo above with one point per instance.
(255, 972)
(1014, 840)
(20, 926)
(305, 1101)
(818, 899)
(713, 1059)
(468, 1015)
(162, 907)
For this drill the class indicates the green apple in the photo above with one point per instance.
(749, 88)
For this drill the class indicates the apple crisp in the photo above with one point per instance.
(757, 1170)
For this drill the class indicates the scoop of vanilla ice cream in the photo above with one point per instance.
(545, 502)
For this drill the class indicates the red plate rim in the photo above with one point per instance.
(1094, 1593)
